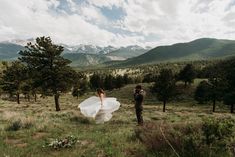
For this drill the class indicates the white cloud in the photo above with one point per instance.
(166, 21)
(179, 21)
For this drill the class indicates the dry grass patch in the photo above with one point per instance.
(15, 142)
(39, 135)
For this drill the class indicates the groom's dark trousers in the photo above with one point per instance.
(138, 107)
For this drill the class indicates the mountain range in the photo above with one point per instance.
(80, 55)
(200, 49)
(91, 55)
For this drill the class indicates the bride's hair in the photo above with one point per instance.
(100, 91)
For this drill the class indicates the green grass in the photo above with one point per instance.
(112, 139)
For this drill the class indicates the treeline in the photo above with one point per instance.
(100, 80)
(143, 71)
(165, 85)
(219, 86)
(41, 70)
(109, 81)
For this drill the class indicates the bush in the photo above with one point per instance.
(19, 124)
(14, 126)
(210, 138)
(217, 130)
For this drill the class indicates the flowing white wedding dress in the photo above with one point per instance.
(91, 107)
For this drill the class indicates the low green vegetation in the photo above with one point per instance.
(27, 127)
(211, 137)
(188, 125)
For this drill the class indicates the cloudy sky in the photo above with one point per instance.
(117, 22)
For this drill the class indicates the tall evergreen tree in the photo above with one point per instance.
(148, 78)
(187, 74)
(217, 87)
(229, 72)
(165, 86)
(13, 78)
(127, 79)
(109, 82)
(202, 93)
(54, 75)
(229, 99)
(96, 81)
(119, 81)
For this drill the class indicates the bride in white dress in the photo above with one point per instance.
(100, 108)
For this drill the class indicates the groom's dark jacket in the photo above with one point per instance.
(139, 97)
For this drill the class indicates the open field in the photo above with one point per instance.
(116, 138)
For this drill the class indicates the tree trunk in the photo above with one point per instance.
(164, 106)
(28, 97)
(213, 105)
(35, 97)
(185, 84)
(57, 105)
(18, 98)
(232, 108)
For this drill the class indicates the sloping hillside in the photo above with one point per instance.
(128, 52)
(199, 49)
(81, 59)
(9, 51)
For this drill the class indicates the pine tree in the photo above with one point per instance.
(148, 78)
(127, 79)
(229, 99)
(217, 87)
(165, 86)
(96, 81)
(229, 72)
(202, 93)
(13, 78)
(109, 82)
(187, 74)
(54, 75)
(119, 81)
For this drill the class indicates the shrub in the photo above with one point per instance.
(209, 138)
(19, 124)
(14, 126)
(217, 130)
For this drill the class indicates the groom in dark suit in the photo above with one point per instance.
(139, 97)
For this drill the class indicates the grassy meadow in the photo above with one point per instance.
(39, 124)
